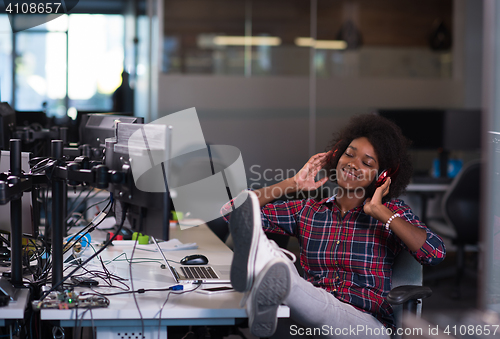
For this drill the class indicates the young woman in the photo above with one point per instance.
(348, 241)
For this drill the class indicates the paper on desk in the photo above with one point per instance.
(171, 245)
(190, 222)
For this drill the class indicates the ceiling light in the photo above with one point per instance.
(247, 40)
(321, 44)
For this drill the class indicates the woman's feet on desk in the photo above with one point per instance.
(259, 267)
(252, 249)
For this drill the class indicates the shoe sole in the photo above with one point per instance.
(245, 237)
(270, 290)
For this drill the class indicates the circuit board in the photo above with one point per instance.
(68, 299)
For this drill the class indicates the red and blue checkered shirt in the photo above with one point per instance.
(350, 257)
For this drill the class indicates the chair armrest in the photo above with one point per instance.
(401, 294)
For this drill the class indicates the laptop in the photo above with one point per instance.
(190, 274)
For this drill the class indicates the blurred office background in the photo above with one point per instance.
(274, 78)
(368, 55)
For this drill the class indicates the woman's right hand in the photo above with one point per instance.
(305, 179)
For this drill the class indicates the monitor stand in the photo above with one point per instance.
(443, 163)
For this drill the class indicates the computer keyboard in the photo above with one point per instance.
(199, 272)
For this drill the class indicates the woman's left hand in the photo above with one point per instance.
(373, 204)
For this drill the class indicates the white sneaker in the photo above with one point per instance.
(270, 289)
(252, 249)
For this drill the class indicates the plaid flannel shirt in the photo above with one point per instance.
(351, 256)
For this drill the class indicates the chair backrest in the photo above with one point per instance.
(461, 203)
(405, 271)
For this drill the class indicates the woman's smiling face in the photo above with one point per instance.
(358, 166)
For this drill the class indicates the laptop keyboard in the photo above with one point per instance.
(199, 272)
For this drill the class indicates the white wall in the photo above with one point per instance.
(267, 118)
(226, 93)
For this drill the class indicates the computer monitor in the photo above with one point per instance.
(441, 130)
(149, 207)
(423, 127)
(97, 127)
(30, 118)
(462, 130)
(7, 124)
(434, 129)
(29, 226)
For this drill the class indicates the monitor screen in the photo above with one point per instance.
(423, 127)
(32, 118)
(28, 225)
(462, 129)
(433, 129)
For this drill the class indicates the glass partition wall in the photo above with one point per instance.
(273, 38)
(490, 235)
(295, 71)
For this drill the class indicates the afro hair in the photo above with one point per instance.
(391, 148)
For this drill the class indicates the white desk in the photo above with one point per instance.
(15, 309)
(413, 187)
(186, 309)
(425, 191)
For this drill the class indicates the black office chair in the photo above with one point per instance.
(407, 291)
(460, 208)
(220, 227)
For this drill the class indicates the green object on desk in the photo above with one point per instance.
(177, 215)
(143, 239)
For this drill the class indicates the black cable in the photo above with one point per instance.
(85, 210)
(46, 206)
(89, 207)
(132, 284)
(31, 315)
(168, 296)
(159, 315)
(78, 197)
(97, 203)
(75, 330)
(56, 286)
(42, 269)
(27, 256)
(89, 228)
(49, 172)
(92, 323)
(81, 202)
(116, 278)
(142, 260)
(41, 165)
(104, 276)
(81, 320)
(36, 255)
(143, 290)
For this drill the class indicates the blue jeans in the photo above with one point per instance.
(315, 313)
